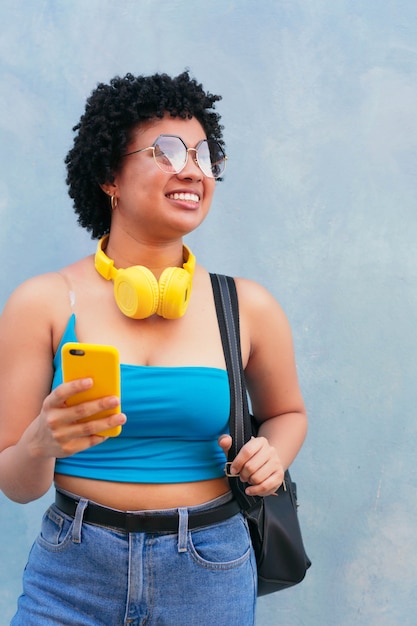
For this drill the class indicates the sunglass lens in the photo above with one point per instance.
(170, 154)
(211, 158)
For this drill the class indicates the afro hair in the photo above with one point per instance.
(111, 114)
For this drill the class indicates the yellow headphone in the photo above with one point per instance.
(137, 292)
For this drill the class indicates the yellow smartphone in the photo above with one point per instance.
(101, 363)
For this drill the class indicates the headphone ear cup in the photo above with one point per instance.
(136, 292)
(174, 292)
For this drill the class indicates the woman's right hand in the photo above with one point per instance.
(57, 431)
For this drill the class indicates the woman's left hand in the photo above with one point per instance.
(257, 464)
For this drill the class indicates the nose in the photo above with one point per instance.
(191, 168)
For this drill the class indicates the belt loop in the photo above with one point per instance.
(78, 520)
(182, 529)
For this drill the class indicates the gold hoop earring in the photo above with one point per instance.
(113, 202)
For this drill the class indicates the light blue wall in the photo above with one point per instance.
(318, 204)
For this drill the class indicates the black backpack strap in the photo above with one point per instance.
(227, 308)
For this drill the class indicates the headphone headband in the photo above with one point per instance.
(103, 264)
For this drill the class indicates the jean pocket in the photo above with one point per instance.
(222, 546)
(55, 531)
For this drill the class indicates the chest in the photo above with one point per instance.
(192, 340)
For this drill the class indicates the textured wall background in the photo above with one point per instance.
(318, 204)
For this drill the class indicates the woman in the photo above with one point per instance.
(142, 170)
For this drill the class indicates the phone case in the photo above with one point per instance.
(101, 363)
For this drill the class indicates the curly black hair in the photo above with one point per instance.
(112, 112)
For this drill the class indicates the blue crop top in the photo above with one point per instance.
(174, 418)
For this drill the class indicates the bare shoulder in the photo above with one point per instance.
(267, 348)
(37, 311)
(35, 296)
(255, 301)
(264, 326)
(46, 293)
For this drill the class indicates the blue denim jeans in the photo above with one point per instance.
(79, 574)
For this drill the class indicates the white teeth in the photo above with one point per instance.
(189, 197)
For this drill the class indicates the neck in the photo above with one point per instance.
(156, 256)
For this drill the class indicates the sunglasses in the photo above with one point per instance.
(171, 155)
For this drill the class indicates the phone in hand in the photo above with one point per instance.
(99, 362)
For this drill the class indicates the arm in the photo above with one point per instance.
(277, 403)
(36, 427)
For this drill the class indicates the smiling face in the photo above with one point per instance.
(157, 205)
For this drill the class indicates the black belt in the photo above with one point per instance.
(143, 521)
